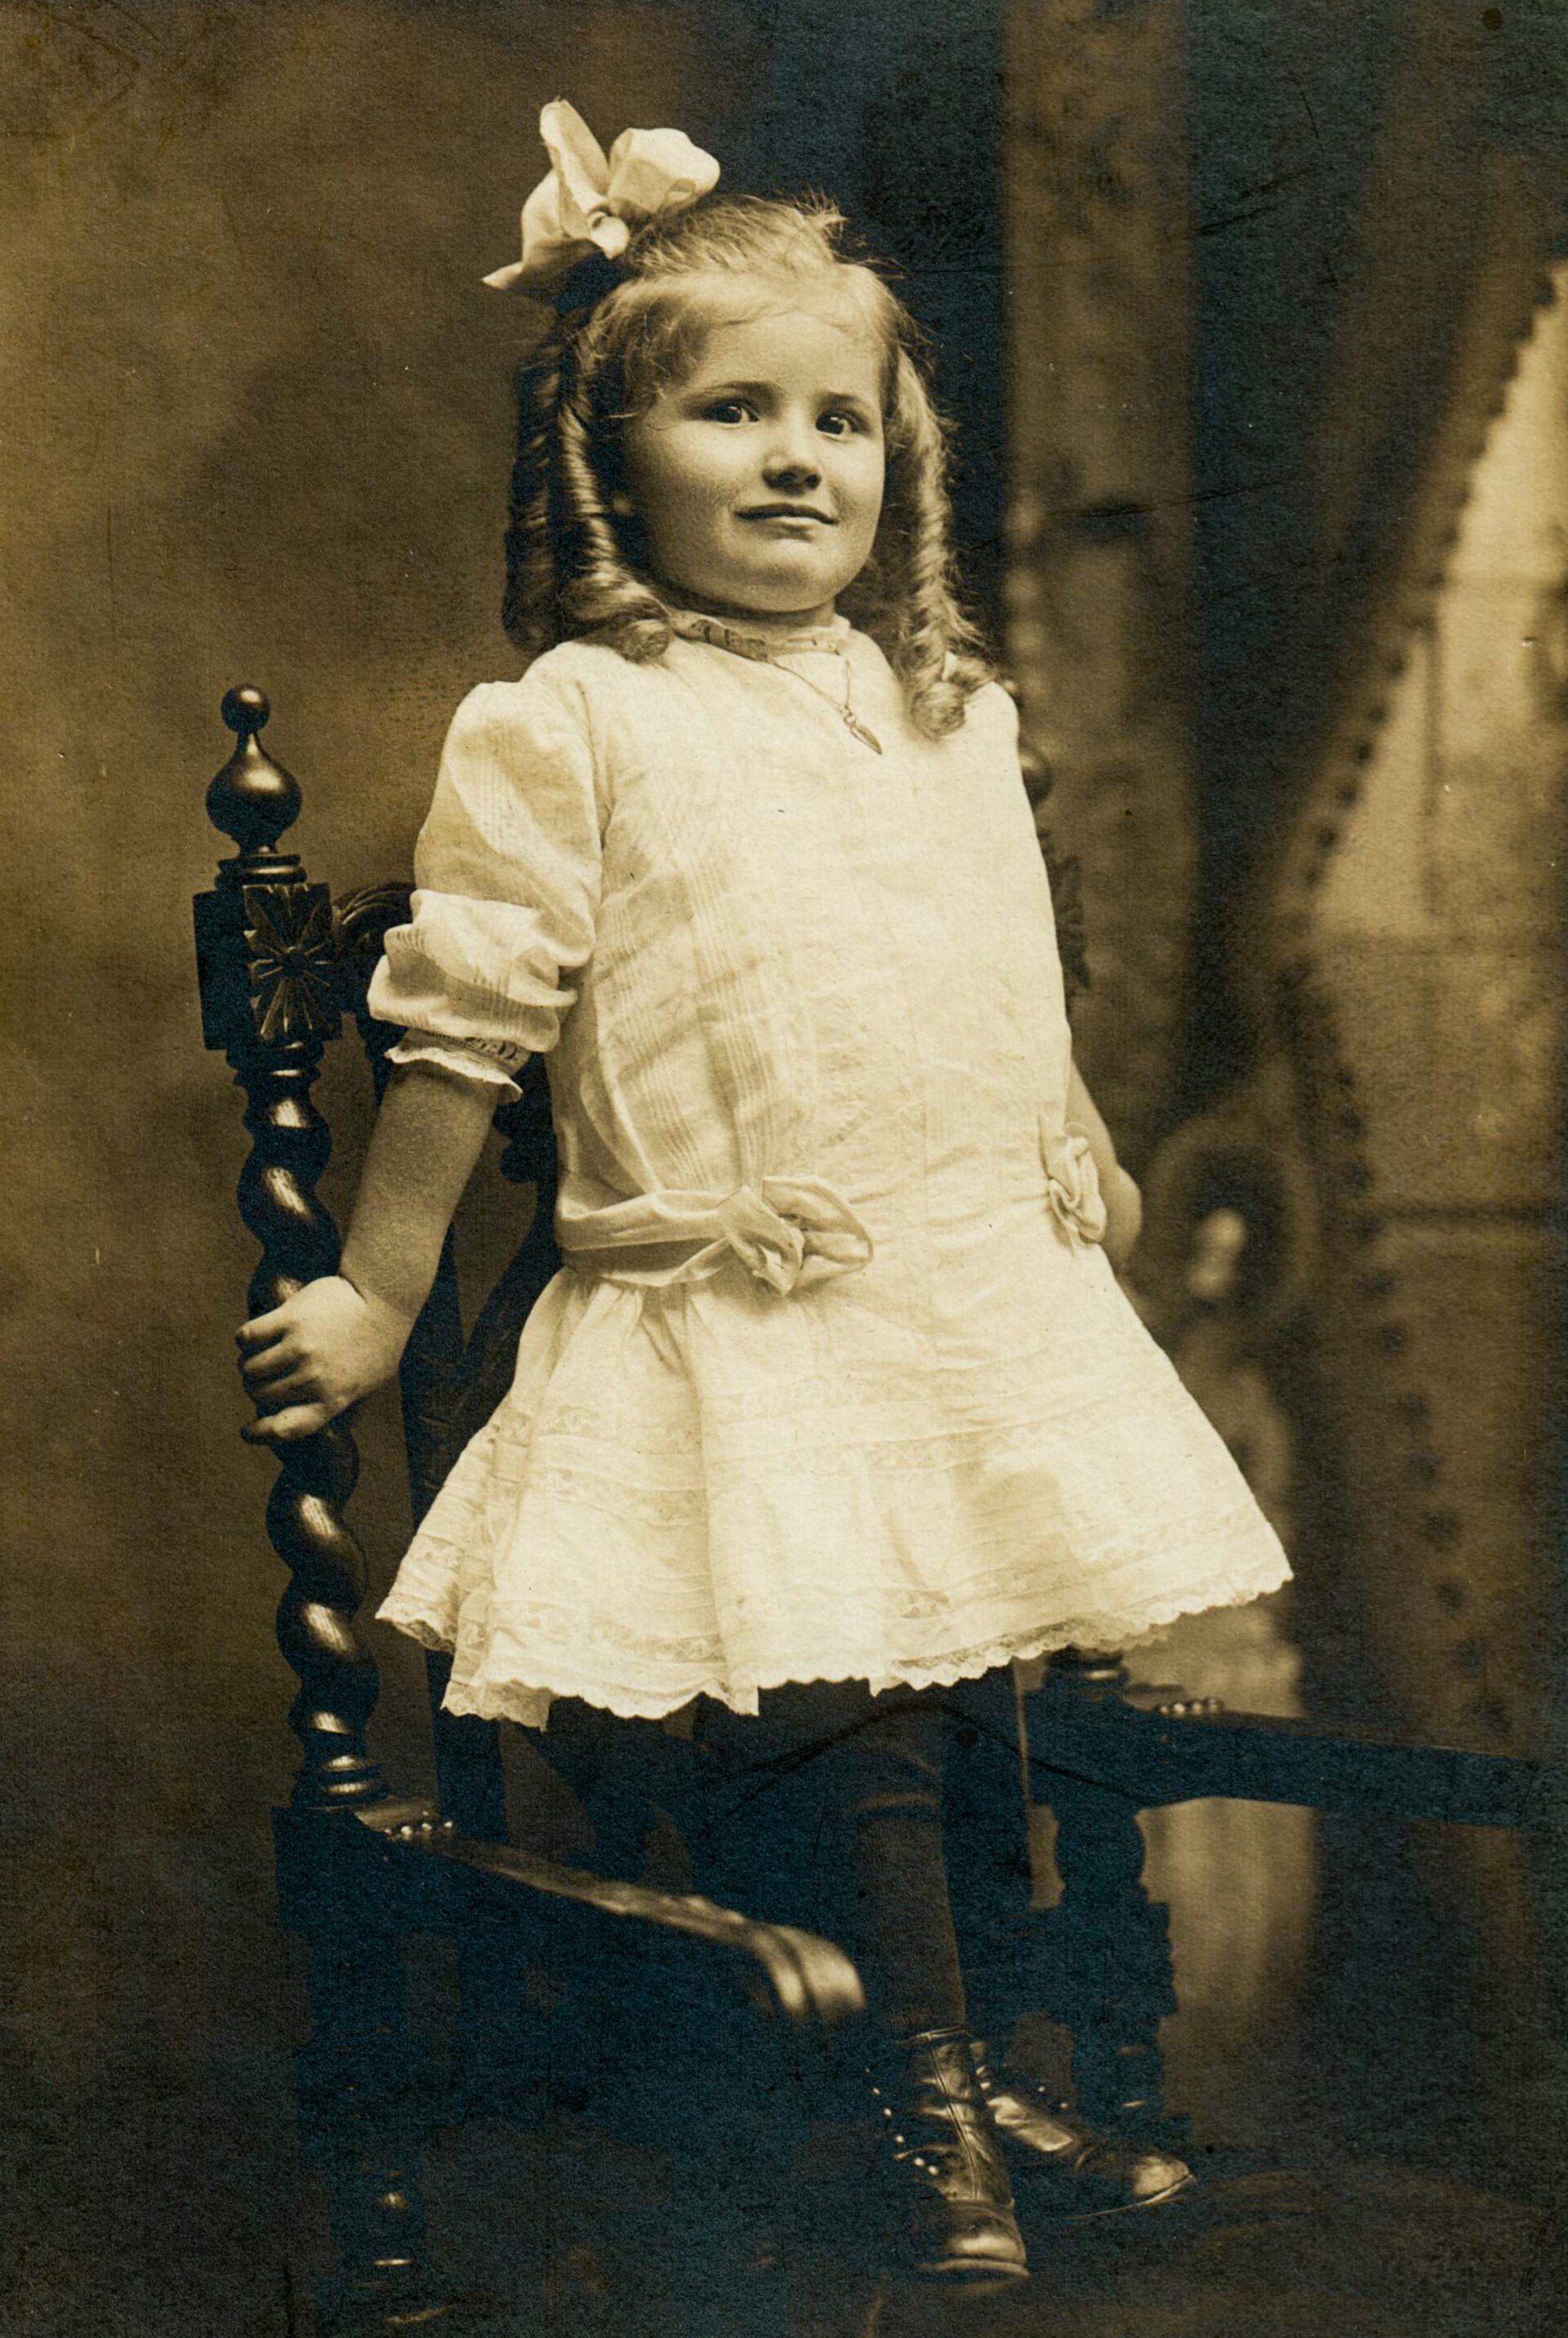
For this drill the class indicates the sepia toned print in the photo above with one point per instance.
(826, 962)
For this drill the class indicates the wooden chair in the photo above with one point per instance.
(359, 1867)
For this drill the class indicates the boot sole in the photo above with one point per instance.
(1044, 2213)
(964, 2273)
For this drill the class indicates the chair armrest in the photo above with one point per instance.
(1155, 1753)
(405, 1851)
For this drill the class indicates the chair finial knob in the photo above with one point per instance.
(246, 710)
(253, 798)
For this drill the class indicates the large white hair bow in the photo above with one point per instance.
(589, 204)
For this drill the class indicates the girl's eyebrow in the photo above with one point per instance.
(707, 389)
(722, 389)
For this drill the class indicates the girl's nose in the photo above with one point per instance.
(791, 462)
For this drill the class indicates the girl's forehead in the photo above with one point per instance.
(783, 326)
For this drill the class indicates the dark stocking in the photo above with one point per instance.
(826, 1812)
(623, 1773)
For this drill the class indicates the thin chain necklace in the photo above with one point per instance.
(845, 713)
(757, 646)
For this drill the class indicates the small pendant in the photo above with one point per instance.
(866, 738)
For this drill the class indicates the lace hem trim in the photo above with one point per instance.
(527, 1701)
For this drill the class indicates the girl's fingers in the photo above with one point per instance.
(283, 1428)
(272, 1379)
(257, 1371)
(262, 1330)
(250, 1349)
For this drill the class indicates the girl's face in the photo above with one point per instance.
(757, 477)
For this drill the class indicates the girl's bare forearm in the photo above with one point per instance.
(429, 1134)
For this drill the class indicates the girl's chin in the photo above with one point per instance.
(779, 594)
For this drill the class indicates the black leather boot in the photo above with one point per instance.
(952, 2204)
(1066, 2168)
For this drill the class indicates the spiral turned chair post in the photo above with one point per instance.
(267, 965)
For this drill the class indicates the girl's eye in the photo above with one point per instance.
(840, 425)
(729, 410)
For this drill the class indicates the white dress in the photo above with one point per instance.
(836, 1382)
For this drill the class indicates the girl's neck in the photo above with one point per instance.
(769, 626)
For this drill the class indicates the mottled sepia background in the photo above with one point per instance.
(1246, 312)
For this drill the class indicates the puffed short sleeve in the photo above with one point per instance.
(507, 875)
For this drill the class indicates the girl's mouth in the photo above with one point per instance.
(789, 511)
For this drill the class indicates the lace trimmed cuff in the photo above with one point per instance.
(492, 1061)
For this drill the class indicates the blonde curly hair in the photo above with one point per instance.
(568, 566)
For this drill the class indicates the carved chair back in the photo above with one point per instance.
(281, 966)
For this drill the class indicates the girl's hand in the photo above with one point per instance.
(1117, 1191)
(1123, 1216)
(308, 1361)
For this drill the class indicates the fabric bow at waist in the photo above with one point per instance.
(788, 1231)
(1072, 1181)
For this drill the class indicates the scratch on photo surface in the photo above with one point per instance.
(109, 554)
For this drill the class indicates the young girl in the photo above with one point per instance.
(837, 1399)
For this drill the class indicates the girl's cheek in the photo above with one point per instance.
(714, 497)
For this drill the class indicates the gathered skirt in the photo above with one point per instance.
(970, 1452)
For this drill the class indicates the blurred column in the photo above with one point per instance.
(1099, 591)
